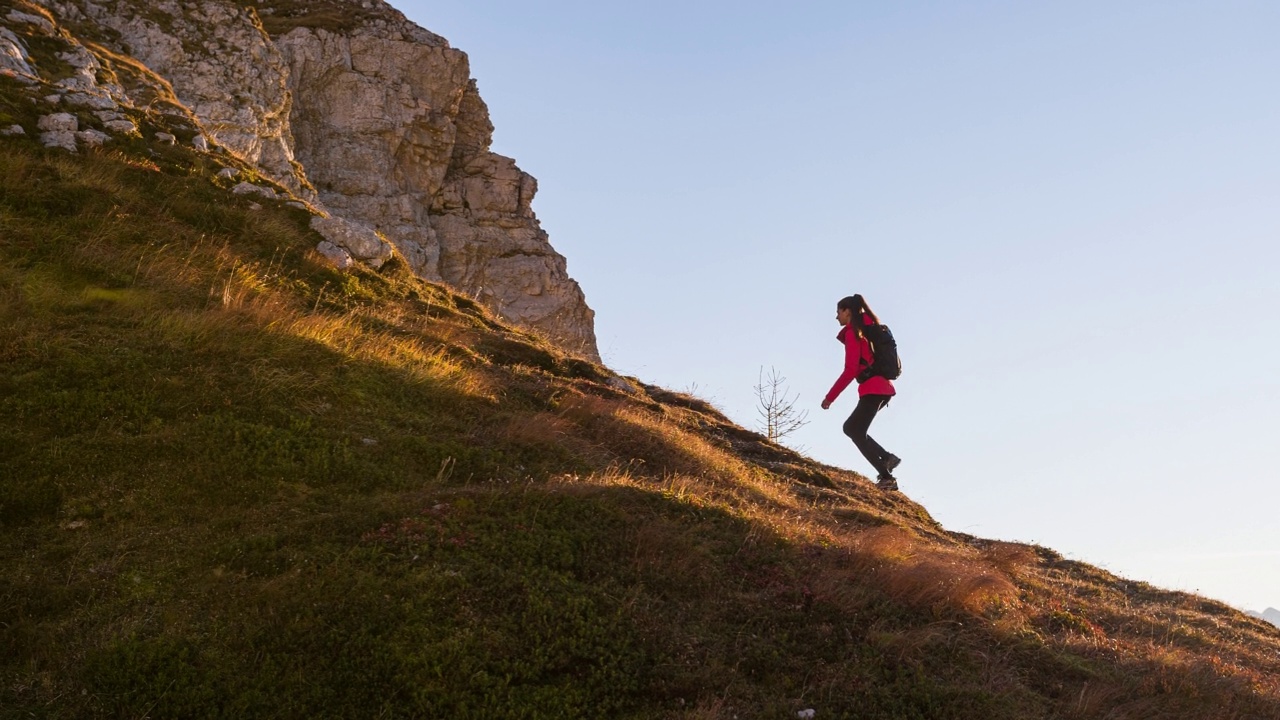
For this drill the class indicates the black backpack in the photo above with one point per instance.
(884, 352)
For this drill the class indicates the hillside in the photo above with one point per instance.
(236, 481)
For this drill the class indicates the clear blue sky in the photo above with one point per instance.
(1069, 214)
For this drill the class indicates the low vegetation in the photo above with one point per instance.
(236, 482)
(278, 17)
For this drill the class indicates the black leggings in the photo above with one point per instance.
(858, 423)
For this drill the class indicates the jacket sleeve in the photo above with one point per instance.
(852, 366)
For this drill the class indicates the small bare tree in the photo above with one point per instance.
(777, 410)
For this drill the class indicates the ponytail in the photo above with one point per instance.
(859, 305)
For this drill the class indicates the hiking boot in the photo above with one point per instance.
(886, 482)
(891, 462)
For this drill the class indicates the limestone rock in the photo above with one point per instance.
(361, 241)
(59, 122)
(41, 24)
(92, 138)
(166, 138)
(373, 124)
(13, 130)
(85, 76)
(395, 134)
(121, 127)
(221, 65)
(248, 188)
(624, 385)
(228, 173)
(336, 255)
(93, 101)
(59, 139)
(14, 60)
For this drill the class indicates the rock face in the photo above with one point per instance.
(369, 118)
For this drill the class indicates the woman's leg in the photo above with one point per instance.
(856, 428)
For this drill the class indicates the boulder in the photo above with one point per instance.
(121, 127)
(340, 258)
(363, 242)
(59, 122)
(92, 138)
(64, 139)
(247, 188)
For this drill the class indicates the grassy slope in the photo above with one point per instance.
(236, 482)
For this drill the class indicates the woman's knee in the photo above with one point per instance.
(854, 429)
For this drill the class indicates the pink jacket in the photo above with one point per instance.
(856, 356)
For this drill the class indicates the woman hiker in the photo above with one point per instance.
(873, 392)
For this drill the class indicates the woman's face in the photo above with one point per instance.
(844, 317)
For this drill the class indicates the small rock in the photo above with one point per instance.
(336, 255)
(247, 188)
(201, 143)
(369, 441)
(625, 386)
(109, 115)
(806, 714)
(64, 139)
(296, 204)
(59, 122)
(91, 101)
(13, 130)
(254, 206)
(53, 99)
(92, 138)
(228, 173)
(363, 241)
(122, 127)
(78, 58)
(166, 138)
(27, 19)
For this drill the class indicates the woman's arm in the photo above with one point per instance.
(852, 365)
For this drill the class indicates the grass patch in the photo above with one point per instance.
(278, 17)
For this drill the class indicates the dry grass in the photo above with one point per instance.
(923, 574)
(1010, 558)
(538, 430)
(635, 434)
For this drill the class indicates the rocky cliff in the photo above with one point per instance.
(345, 104)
